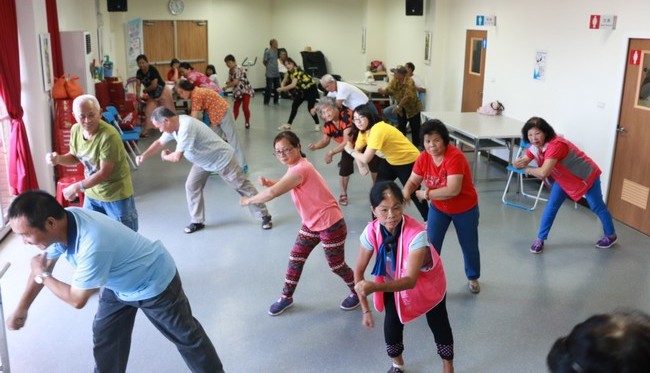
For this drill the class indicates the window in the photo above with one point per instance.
(5, 189)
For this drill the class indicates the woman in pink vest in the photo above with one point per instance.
(574, 173)
(322, 219)
(409, 276)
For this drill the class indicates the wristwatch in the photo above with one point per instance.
(41, 278)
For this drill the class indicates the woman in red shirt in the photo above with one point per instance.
(574, 173)
(446, 174)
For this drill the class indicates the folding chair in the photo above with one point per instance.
(520, 176)
(129, 138)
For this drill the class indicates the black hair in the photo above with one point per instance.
(364, 111)
(292, 138)
(540, 124)
(214, 70)
(434, 126)
(36, 206)
(185, 84)
(141, 57)
(617, 342)
(186, 65)
(229, 57)
(377, 192)
(174, 60)
(410, 65)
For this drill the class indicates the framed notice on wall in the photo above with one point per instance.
(46, 61)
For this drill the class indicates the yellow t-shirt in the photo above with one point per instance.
(389, 143)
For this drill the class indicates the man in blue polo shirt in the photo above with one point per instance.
(132, 272)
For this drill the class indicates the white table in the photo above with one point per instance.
(372, 89)
(483, 132)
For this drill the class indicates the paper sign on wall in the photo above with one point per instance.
(539, 72)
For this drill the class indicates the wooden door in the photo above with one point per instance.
(474, 73)
(159, 44)
(630, 185)
(185, 40)
(192, 39)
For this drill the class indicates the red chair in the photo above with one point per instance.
(64, 182)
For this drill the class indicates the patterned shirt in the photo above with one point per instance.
(211, 102)
(244, 86)
(335, 130)
(405, 90)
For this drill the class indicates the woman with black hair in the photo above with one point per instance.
(322, 219)
(154, 93)
(575, 175)
(409, 276)
(445, 172)
(302, 88)
(396, 152)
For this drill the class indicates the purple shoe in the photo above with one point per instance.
(537, 246)
(607, 241)
(280, 306)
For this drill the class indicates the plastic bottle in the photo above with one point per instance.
(108, 67)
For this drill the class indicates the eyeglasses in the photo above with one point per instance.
(358, 119)
(282, 153)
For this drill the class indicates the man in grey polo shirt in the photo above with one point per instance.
(208, 153)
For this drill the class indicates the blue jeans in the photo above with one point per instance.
(169, 312)
(272, 84)
(594, 198)
(466, 224)
(389, 116)
(122, 210)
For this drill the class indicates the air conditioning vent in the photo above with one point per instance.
(88, 48)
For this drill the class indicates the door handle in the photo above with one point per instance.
(620, 129)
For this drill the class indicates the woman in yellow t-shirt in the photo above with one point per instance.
(397, 153)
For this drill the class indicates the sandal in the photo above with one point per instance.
(343, 199)
(193, 227)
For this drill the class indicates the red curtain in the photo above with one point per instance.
(55, 37)
(22, 176)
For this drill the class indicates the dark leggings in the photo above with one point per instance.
(437, 319)
(310, 95)
(389, 172)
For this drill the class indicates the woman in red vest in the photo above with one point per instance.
(574, 173)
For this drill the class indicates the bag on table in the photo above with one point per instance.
(491, 108)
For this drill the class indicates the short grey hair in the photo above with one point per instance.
(160, 113)
(327, 78)
(80, 100)
(325, 102)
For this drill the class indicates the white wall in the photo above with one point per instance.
(580, 96)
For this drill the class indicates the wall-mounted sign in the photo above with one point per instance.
(602, 22)
(635, 57)
(482, 20)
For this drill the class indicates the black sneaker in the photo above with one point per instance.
(266, 222)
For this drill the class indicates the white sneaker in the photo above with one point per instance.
(285, 127)
(317, 128)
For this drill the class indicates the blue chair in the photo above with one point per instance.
(129, 138)
(520, 176)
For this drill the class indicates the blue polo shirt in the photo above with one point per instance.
(106, 253)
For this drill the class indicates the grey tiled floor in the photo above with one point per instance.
(233, 270)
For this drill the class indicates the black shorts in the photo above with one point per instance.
(346, 164)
